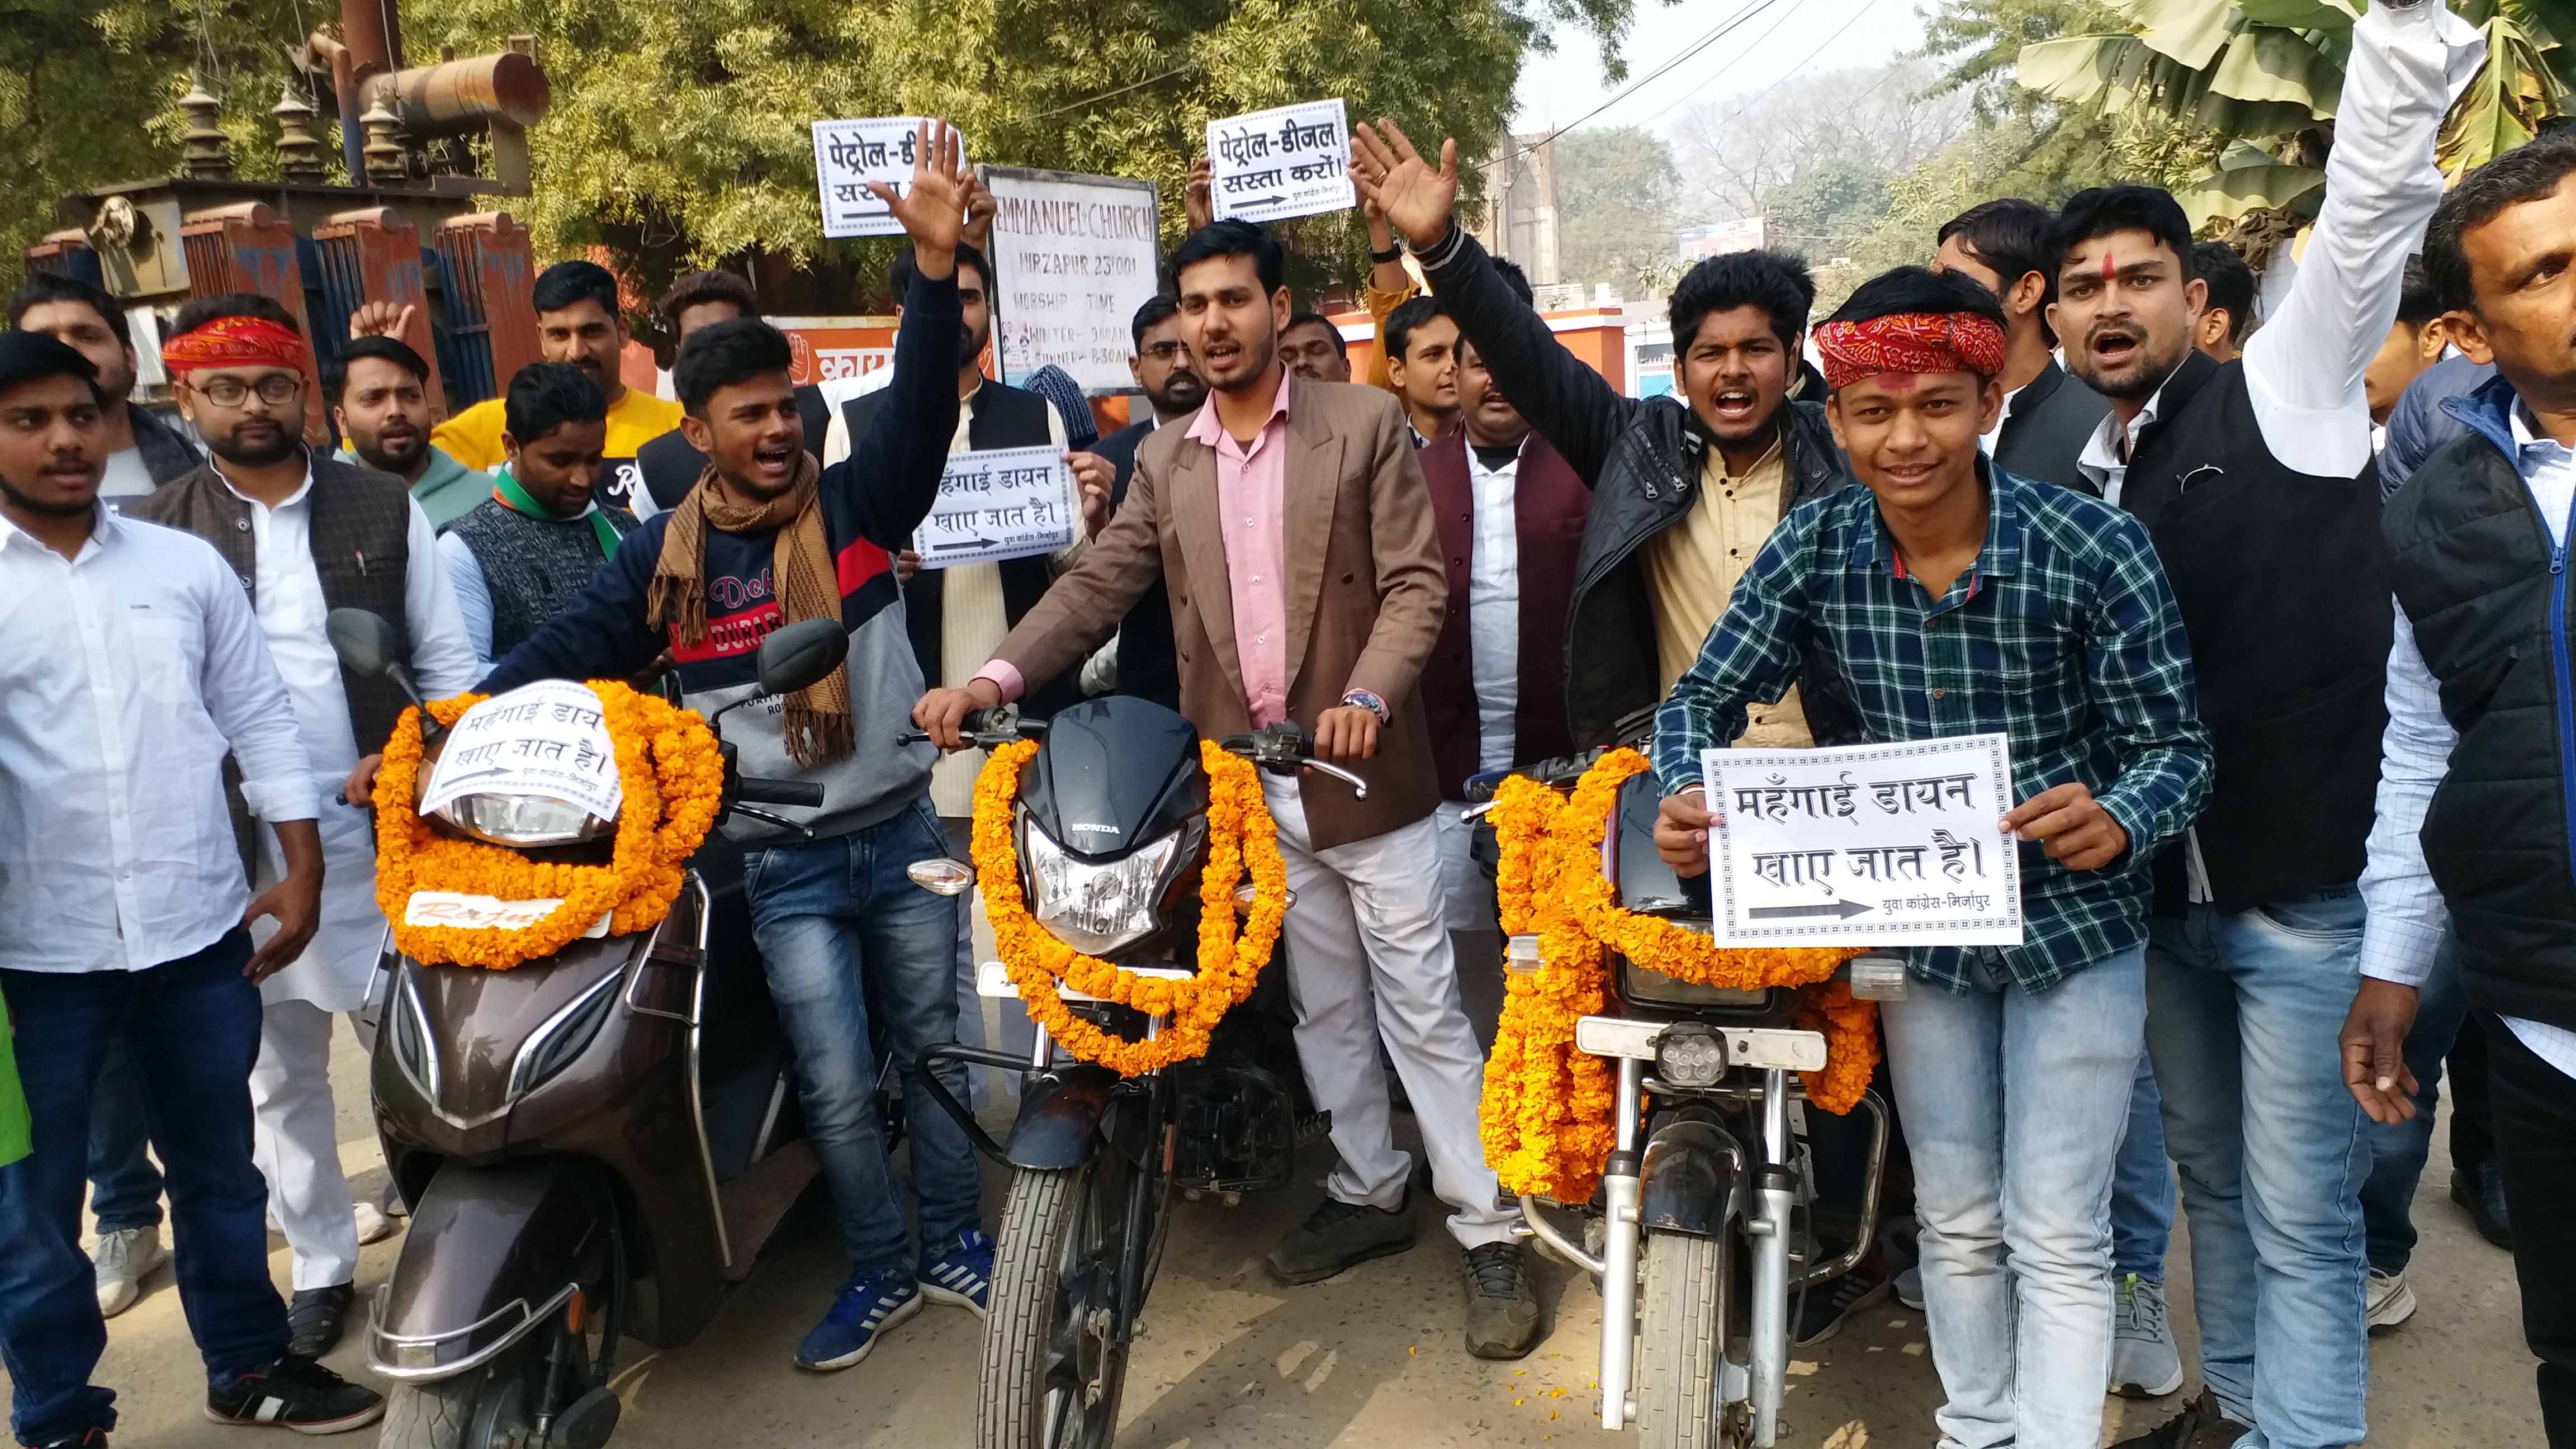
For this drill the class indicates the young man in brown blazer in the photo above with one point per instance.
(1290, 522)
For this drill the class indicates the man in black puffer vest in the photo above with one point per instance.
(2245, 475)
(2482, 727)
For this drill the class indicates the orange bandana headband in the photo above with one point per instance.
(234, 342)
(1910, 342)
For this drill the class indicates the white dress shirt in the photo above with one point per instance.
(337, 969)
(2304, 366)
(1494, 609)
(131, 670)
(1986, 441)
(2406, 916)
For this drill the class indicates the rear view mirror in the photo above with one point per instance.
(368, 646)
(797, 656)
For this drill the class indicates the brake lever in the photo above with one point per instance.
(780, 821)
(1359, 787)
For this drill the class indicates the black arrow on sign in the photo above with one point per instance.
(1260, 201)
(968, 543)
(1844, 909)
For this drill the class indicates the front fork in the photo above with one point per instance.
(1620, 1190)
(1775, 1188)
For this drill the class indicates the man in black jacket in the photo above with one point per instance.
(1142, 662)
(143, 452)
(2008, 246)
(671, 463)
(1684, 490)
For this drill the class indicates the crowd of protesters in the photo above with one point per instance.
(2270, 601)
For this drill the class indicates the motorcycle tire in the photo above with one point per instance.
(1055, 1260)
(1678, 1342)
(470, 1411)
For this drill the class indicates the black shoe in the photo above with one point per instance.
(294, 1393)
(1502, 1311)
(315, 1319)
(85, 1439)
(1339, 1236)
(2479, 1187)
(2202, 1424)
(1828, 1304)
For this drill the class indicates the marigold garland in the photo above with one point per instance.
(672, 774)
(1241, 837)
(1546, 1112)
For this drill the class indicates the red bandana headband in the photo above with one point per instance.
(1910, 342)
(234, 342)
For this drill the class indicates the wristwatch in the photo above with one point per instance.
(1395, 253)
(1371, 703)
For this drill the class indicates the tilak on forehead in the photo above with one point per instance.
(2110, 270)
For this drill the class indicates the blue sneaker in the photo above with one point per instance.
(868, 1305)
(963, 1273)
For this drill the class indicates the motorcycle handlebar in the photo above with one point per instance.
(984, 728)
(749, 791)
(1284, 748)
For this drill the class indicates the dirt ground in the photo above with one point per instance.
(1228, 1360)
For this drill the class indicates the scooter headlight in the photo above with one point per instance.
(1096, 909)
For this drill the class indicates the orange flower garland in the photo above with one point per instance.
(1241, 837)
(672, 775)
(1546, 1110)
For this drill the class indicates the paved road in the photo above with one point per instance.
(1230, 1361)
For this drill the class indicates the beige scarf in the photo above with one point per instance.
(817, 726)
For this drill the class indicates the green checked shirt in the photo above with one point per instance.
(2062, 635)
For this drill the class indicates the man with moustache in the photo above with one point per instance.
(379, 394)
(1422, 366)
(1314, 350)
(2245, 474)
(2008, 247)
(143, 452)
(1142, 661)
(1291, 522)
(133, 667)
(306, 535)
(702, 299)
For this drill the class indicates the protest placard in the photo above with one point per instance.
(850, 154)
(1073, 258)
(998, 504)
(1275, 164)
(1877, 845)
(547, 738)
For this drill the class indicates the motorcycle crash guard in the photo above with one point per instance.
(1061, 1111)
(489, 1257)
(1693, 1179)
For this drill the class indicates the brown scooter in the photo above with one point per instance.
(596, 1144)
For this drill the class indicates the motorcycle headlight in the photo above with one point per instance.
(523, 820)
(1097, 909)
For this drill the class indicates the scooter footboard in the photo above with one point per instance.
(489, 1258)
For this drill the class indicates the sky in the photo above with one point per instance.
(1784, 38)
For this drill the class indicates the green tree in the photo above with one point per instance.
(1615, 197)
(1827, 211)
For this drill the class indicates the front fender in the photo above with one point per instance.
(490, 1255)
(1692, 1179)
(1060, 1115)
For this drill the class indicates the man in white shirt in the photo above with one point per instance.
(143, 452)
(132, 666)
(2473, 824)
(308, 534)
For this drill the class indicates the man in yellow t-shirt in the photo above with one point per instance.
(577, 322)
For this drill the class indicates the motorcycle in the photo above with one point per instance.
(1699, 1236)
(595, 1144)
(1095, 1158)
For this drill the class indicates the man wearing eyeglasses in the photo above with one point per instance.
(306, 534)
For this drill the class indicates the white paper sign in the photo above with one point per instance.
(1865, 845)
(1292, 161)
(850, 154)
(998, 504)
(1073, 258)
(547, 738)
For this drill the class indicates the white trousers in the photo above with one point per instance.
(1368, 955)
(296, 1140)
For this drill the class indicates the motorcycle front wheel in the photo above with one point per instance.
(1054, 1361)
(1681, 1328)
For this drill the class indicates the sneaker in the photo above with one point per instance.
(2202, 1424)
(962, 1275)
(295, 1393)
(1828, 1304)
(868, 1305)
(124, 1259)
(1338, 1236)
(315, 1319)
(1502, 1311)
(1909, 1287)
(373, 1225)
(85, 1439)
(2390, 1302)
(2145, 1361)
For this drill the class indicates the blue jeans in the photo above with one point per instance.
(193, 1025)
(2013, 1108)
(2244, 1018)
(2142, 1186)
(2398, 1150)
(124, 1186)
(843, 932)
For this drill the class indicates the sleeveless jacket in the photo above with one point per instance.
(2283, 582)
(532, 566)
(2487, 593)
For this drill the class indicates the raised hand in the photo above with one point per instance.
(1415, 198)
(980, 207)
(1198, 201)
(381, 319)
(933, 208)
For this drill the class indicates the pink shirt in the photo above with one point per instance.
(1252, 504)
